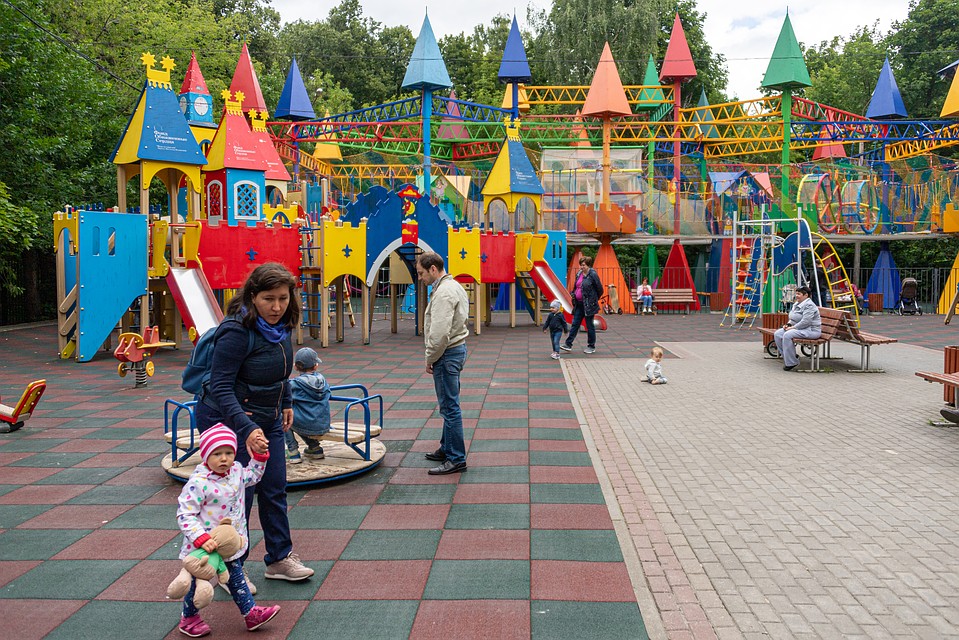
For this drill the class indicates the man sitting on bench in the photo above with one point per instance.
(804, 322)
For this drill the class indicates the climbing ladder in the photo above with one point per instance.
(749, 264)
(840, 288)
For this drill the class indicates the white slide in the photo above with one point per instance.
(195, 300)
(553, 289)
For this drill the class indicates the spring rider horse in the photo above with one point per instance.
(133, 352)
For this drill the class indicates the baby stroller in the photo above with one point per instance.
(907, 297)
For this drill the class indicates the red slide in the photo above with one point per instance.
(553, 289)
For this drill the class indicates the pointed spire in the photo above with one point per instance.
(649, 98)
(245, 81)
(787, 68)
(704, 115)
(523, 98)
(579, 132)
(830, 149)
(452, 126)
(514, 67)
(950, 108)
(426, 69)
(294, 103)
(886, 101)
(678, 63)
(606, 95)
(193, 81)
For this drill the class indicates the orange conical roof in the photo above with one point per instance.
(244, 80)
(606, 95)
(579, 131)
(678, 64)
(193, 81)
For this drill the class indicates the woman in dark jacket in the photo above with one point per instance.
(249, 391)
(586, 291)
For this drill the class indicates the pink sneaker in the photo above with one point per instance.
(194, 626)
(259, 616)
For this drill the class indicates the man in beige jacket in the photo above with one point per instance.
(445, 335)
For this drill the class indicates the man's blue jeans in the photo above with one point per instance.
(446, 380)
(579, 314)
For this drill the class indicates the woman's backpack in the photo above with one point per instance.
(198, 369)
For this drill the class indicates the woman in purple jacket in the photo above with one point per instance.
(249, 391)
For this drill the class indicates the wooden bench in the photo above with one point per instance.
(831, 320)
(849, 331)
(669, 296)
(948, 380)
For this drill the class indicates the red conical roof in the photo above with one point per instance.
(193, 81)
(606, 95)
(244, 79)
(678, 64)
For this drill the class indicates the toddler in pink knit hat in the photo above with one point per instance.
(217, 490)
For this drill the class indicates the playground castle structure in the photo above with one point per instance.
(243, 191)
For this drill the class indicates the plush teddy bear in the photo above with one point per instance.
(204, 566)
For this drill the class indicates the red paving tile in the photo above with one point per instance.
(375, 580)
(121, 413)
(13, 456)
(167, 495)
(25, 475)
(492, 493)
(341, 495)
(145, 582)
(10, 569)
(399, 434)
(117, 460)
(569, 516)
(406, 516)
(558, 405)
(314, 545)
(499, 458)
(441, 619)
(557, 445)
(47, 434)
(76, 516)
(470, 544)
(121, 546)
(40, 422)
(44, 493)
(580, 581)
(140, 476)
(488, 414)
(33, 619)
(562, 475)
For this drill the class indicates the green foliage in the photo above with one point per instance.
(925, 42)
(711, 74)
(473, 61)
(19, 229)
(844, 71)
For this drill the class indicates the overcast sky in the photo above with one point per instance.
(747, 41)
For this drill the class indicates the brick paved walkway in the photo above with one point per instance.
(738, 501)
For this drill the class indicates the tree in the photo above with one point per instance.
(844, 71)
(711, 74)
(924, 43)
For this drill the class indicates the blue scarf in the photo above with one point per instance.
(272, 332)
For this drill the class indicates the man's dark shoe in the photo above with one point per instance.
(436, 456)
(950, 414)
(790, 367)
(448, 467)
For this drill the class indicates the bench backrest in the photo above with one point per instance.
(831, 320)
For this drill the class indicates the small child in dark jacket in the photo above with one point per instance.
(311, 402)
(556, 325)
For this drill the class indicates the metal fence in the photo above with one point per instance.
(15, 309)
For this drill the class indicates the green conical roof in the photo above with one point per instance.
(650, 79)
(787, 69)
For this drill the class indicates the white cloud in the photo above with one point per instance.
(746, 38)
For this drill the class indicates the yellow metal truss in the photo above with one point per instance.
(577, 95)
(911, 148)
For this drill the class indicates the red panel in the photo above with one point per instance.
(498, 257)
(676, 275)
(229, 254)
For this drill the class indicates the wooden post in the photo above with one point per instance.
(340, 304)
(512, 305)
(324, 313)
(393, 308)
(367, 316)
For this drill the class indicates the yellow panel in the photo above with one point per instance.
(950, 289)
(498, 181)
(950, 108)
(950, 219)
(344, 250)
(464, 253)
(159, 267)
(151, 168)
(537, 250)
(524, 241)
(191, 243)
(129, 147)
(64, 220)
(399, 274)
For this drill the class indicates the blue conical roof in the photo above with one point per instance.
(514, 67)
(426, 69)
(294, 103)
(886, 101)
